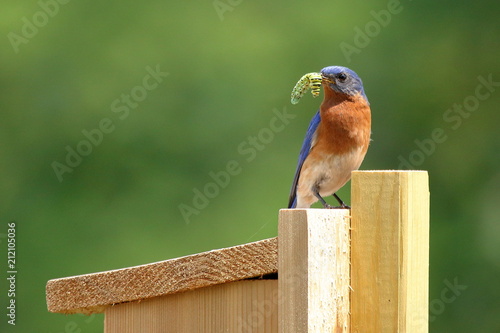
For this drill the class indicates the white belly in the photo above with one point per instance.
(328, 175)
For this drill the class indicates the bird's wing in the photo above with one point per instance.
(304, 152)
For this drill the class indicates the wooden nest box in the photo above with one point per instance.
(329, 270)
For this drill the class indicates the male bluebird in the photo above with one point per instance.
(336, 141)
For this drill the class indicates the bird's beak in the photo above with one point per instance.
(326, 79)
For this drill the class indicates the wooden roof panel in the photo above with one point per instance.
(91, 293)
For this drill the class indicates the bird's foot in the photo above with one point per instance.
(327, 205)
(342, 204)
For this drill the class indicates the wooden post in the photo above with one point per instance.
(389, 251)
(313, 268)
(384, 258)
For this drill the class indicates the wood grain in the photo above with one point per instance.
(242, 306)
(389, 251)
(313, 265)
(93, 292)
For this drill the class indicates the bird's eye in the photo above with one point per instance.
(342, 77)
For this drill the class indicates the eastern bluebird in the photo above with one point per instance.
(336, 141)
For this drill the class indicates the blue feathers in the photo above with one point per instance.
(343, 80)
(304, 151)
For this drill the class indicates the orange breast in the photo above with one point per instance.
(345, 124)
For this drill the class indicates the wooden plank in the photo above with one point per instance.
(389, 251)
(313, 264)
(93, 292)
(243, 306)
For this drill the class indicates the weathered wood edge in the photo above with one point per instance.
(92, 293)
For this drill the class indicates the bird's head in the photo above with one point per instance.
(343, 80)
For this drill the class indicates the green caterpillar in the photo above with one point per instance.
(309, 81)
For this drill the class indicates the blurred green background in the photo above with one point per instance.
(231, 66)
